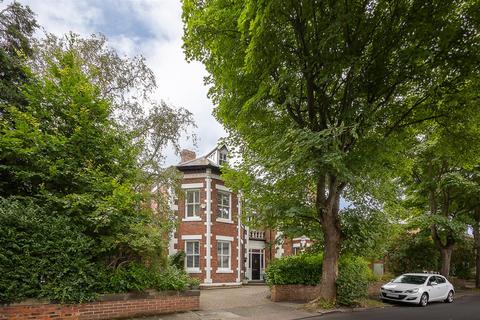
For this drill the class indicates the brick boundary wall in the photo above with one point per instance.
(116, 306)
(294, 292)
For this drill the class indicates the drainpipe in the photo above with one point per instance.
(239, 239)
(208, 235)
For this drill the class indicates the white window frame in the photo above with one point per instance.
(220, 255)
(193, 269)
(195, 216)
(222, 158)
(228, 207)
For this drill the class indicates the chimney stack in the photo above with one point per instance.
(187, 155)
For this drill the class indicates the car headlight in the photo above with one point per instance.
(382, 288)
(412, 291)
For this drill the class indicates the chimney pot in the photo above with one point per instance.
(187, 155)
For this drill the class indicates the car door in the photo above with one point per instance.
(433, 291)
(442, 287)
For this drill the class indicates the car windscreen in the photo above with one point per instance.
(410, 279)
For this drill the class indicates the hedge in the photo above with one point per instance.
(47, 256)
(354, 276)
(352, 282)
(297, 269)
(43, 256)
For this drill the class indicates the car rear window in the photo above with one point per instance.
(411, 279)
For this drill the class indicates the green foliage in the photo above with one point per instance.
(71, 158)
(463, 259)
(172, 278)
(320, 96)
(352, 282)
(47, 256)
(136, 277)
(128, 83)
(353, 279)
(133, 277)
(367, 232)
(413, 252)
(298, 269)
(84, 223)
(194, 283)
(178, 260)
(17, 25)
(43, 255)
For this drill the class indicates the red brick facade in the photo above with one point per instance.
(203, 174)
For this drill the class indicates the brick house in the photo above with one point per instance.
(219, 249)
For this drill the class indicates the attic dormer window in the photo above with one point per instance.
(222, 158)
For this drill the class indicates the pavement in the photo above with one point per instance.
(464, 308)
(244, 303)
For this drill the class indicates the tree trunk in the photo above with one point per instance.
(446, 256)
(328, 212)
(476, 237)
(331, 254)
(445, 250)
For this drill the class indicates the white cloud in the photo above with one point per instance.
(179, 83)
(61, 16)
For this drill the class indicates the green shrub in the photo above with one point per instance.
(172, 278)
(136, 277)
(43, 256)
(352, 283)
(463, 259)
(46, 256)
(413, 253)
(353, 279)
(178, 260)
(133, 277)
(298, 269)
(194, 283)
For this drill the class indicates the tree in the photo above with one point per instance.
(72, 166)
(436, 193)
(324, 91)
(129, 84)
(468, 182)
(17, 24)
(446, 150)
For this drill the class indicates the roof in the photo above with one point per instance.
(202, 161)
(219, 147)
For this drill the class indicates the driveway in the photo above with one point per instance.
(464, 308)
(247, 302)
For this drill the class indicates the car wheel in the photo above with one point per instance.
(449, 297)
(423, 300)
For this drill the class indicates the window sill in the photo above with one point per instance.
(192, 219)
(193, 270)
(224, 271)
(223, 220)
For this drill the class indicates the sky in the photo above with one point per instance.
(152, 28)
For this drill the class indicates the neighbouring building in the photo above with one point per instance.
(219, 249)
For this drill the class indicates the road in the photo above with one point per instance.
(465, 308)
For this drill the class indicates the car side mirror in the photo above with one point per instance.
(433, 283)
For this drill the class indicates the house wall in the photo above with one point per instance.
(219, 230)
(233, 231)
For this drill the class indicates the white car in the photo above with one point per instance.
(419, 288)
